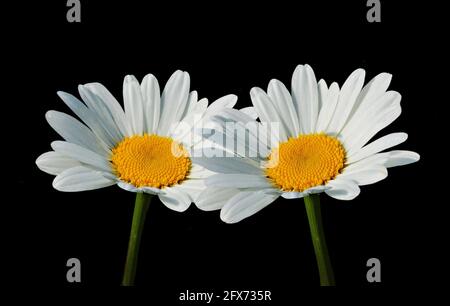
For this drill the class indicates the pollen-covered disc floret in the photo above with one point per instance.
(306, 161)
(150, 161)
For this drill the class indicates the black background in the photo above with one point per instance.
(227, 48)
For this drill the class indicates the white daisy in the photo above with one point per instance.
(321, 145)
(145, 148)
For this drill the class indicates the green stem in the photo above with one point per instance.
(312, 204)
(140, 211)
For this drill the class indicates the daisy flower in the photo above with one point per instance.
(321, 146)
(143, 148)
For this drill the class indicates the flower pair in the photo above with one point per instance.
(316, 142)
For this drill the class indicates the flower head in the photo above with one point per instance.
(320, 143)
(144, 147)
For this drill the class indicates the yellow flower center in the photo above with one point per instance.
(306, 161)
(150, 161)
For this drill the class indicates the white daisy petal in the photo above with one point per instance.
(127, 187)
(74, 131)
(377, 159)
(282, 100)
(293, 195)
(367, 117)
(347, 98)
(192, 187)
(238, 181)
(173, 101)
(305, 97)
(245, 204)
(401, 158)
(134, 105)
(371, 92)
(217, 106)
(151, 190)
(228, 164)
(322, 91)
(191, 104)
(100, 108)
(250, 111)
(267, 111)
(370, 129)
(233, 115)
(80, 179)
(214, 198)
(312, 190)
(88, 117)
(365, 175)
(376, 146)
(55, 163)
(328, 107)
(175, 199)
(151, 102)
(113, 107)
(343, 189)
(81, 154)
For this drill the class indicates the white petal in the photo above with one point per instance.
(173, 101)
(305, 97)
(376, 146)
(370, 129)
(214, 198)
(367, 117)
(312, 190)
(128, 187)
(371, 92)
(175, 199)
(74, 131)
(191, 104)
(328, 108)
(100, 108)
(80, 179)
(401, 158)
(112, 105)
(343, 189)
(228, 164)
(250, 111)
(134, 105)
(192, 187)
(132, 188)
(198, 172)
(152, 102)
(282, 100)
(267, 111)
(238, 181)
(293, 195)
(322, 91)
(82, 155)
(347, 98)
(217, 106)
(365, 175)
(55, 163)
(377, 159)
(88, 117)
(245, 204)
(151, 190)
(234, 115)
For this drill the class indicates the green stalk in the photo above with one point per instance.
(140, 211)
(312, 204)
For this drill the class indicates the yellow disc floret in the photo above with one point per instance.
(150, 161)
(306, 161)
